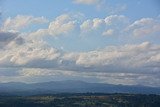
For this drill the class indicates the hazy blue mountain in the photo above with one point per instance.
(72, 87)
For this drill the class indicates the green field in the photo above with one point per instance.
(81, 100)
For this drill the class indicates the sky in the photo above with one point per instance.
(103, 41)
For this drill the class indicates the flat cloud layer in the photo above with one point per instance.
(29, 57)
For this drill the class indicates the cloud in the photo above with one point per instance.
(65, 24)
(119, 25)
(127, 58)
(37, 74)
(145, 27)
(7, 37)
(62, 25)
(116, 19)
(133, 63)
(87, 2)
(31, 54)
(126, 63)
(120, 59)
(109, 32)
(91, 27)
(98, 4)
(21, 21)
(104, 5)
(111, 25)
(31, 72)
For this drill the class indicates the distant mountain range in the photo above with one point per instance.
(53, 87)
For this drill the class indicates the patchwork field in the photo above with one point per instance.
(81, 100)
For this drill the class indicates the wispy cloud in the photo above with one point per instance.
(103, 5)
(21, 21)
(87, 2)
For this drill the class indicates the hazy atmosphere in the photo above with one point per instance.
(100, 41)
